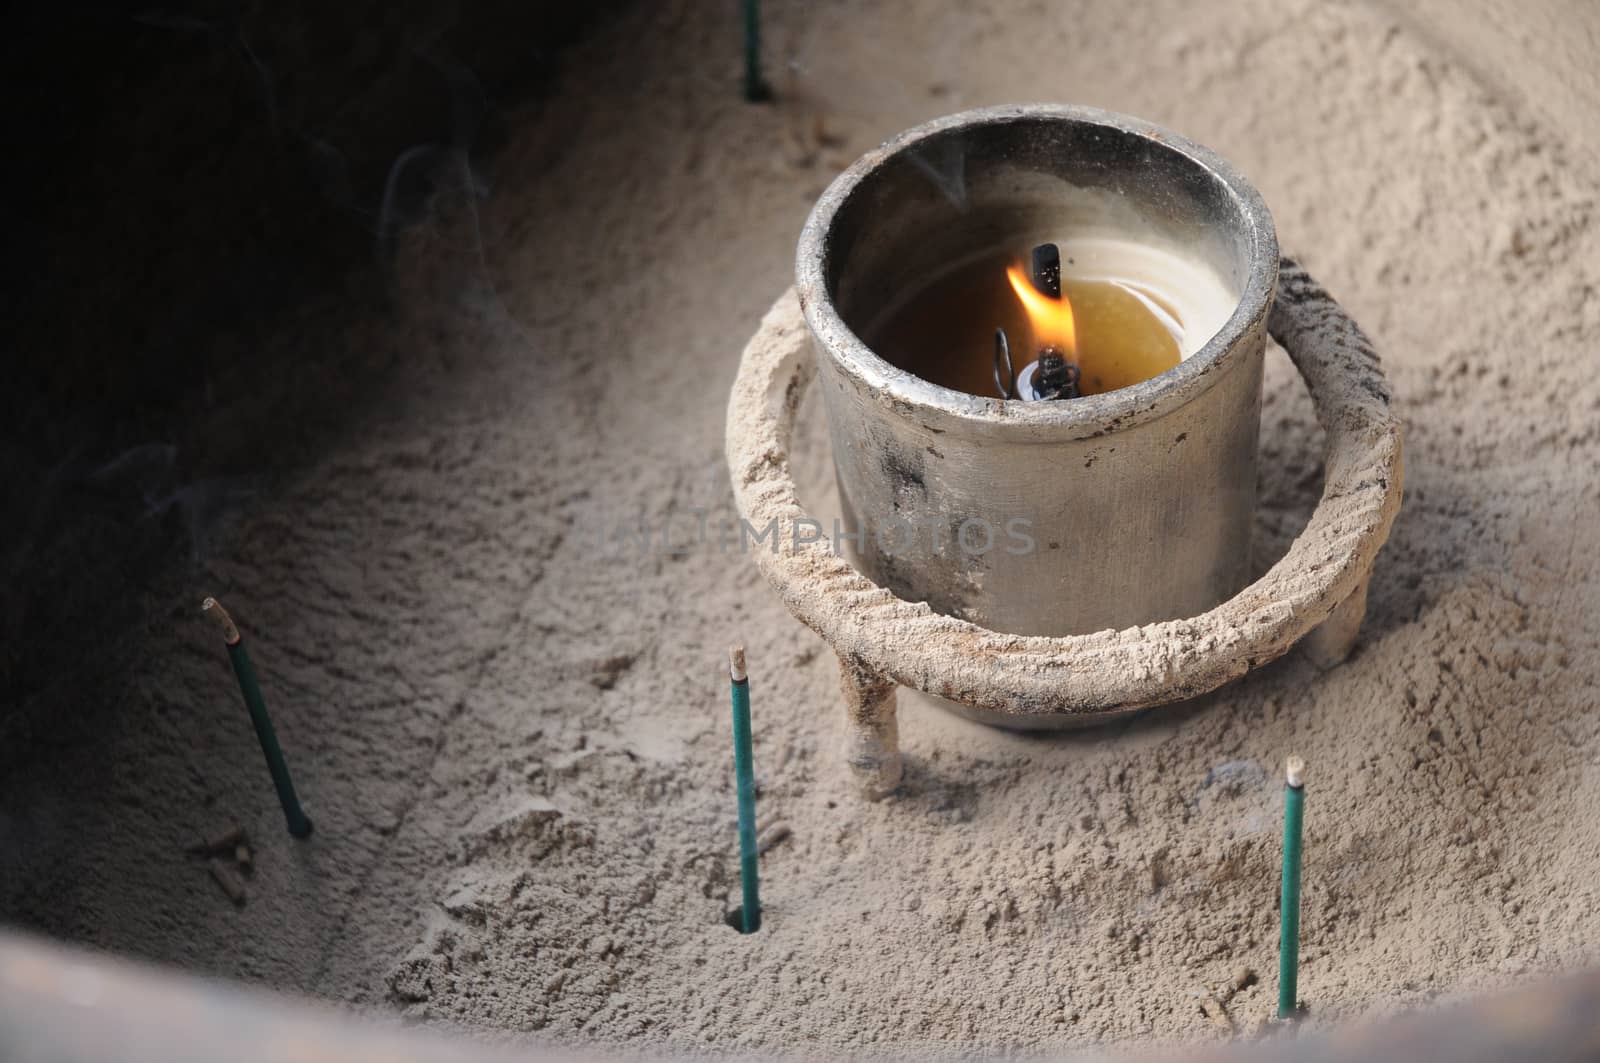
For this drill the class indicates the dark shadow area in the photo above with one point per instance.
(204, 195)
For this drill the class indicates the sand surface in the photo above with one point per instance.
(514, 737)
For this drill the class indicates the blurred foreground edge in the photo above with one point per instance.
(70, 1005)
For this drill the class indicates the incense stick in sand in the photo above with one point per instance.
(756, 89)
(744, 773)
(1294, 804)
(299, 822)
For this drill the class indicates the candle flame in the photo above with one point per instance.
(1051, 318)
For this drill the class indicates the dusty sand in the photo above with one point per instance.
(515, 742)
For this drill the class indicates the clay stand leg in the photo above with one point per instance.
(1332, 640)
(872, 745)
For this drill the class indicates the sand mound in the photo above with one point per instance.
(510, 723)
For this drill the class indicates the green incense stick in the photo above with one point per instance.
(1294, 805)
(755, 87)
(299, 822)
(744, 772)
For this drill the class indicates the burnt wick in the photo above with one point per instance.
(1055, 377)
(1046, 271)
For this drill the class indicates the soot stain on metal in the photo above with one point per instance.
(904, 470)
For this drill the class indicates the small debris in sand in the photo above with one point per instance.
(824, 137)
(606, 672)
(1213, 1009)
(1243, 978)
(1215, 1006)
(222, 842)
(228, 879)
(814, 140)
(243, 857)
(776, 834)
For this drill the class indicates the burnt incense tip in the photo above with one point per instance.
(1294, 772)
(213, 608)
(736, 664)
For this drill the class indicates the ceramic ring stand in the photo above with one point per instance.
(1317, 592)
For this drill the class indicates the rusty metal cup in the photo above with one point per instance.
(1138, 502)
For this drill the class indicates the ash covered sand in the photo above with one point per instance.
(516, 743)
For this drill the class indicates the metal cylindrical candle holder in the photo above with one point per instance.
(1050, 518)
